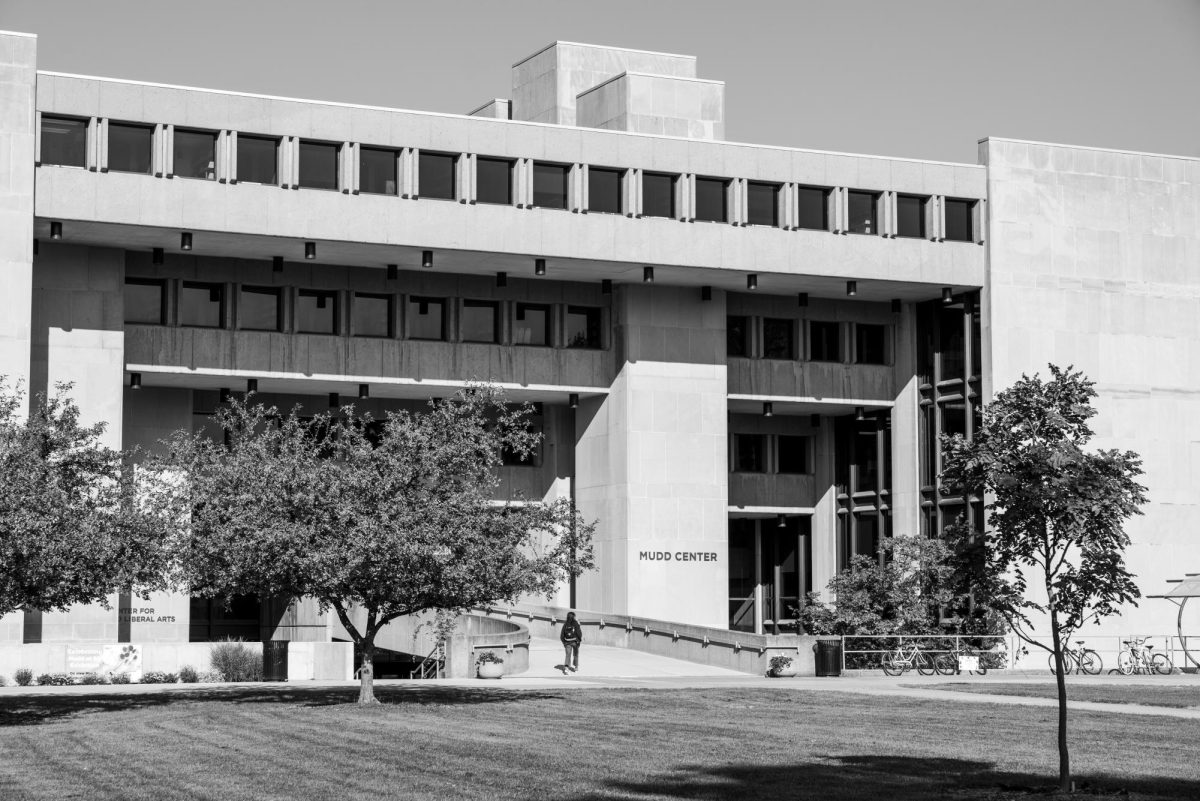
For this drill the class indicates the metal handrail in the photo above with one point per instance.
(434, 665)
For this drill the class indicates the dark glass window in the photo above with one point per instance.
(145, 301)
(256, 159)
(437, 173)
(813, 205)
(748, 453)
(910, 215)
(129, 147)
(201, 305)
(870, 344)
(426, 318)
(583, 327)
(959, 226)
(604, 190)
(867, 535)
(762, 203)
(824, 341)
(316, 312)
(862, 211)
(658, 194)
(372, 315)
(954, 418)
(480, 321)
(259, 308)
(318, 165)
(493, 181)
(550, 186)
(710, 200)
(778, 339)
(866, 459)
(376, 171)
(195, 154)
(737, 335)
(532, 324)
(64, 141)
(793, 455)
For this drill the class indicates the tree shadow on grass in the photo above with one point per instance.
(895, 778)
(33, 709)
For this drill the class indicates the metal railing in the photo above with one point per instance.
(434, 665)
(866, 652)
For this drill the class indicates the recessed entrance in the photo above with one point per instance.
(770, 572)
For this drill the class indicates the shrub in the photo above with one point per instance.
(188, 675)
(778, 663)
(3, 681)
(54, 680)
(488, 656)
(93, 678)
(119, 678)
(235, 662)
(210, 677)
(23, 677)
(158, 677)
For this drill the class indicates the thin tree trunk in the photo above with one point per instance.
(1064, 759)
(366, 673)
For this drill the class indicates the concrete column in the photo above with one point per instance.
(406, 174)
(345, 168)
(169, 151)
(355, 168)
(825, 517)
(157, 143)
(283, 162)
(906, 428)
(93, 144)
(102, 145)
(574, 188)
(473, 180)
(840, 212)
(295, 162)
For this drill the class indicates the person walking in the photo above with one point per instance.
(571, 636)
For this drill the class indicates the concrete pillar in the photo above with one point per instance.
(825, 516)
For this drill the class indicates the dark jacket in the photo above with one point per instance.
(571, 632)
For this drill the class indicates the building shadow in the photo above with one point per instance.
(895, 778)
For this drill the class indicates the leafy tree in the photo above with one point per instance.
(376, 518)
(75, 522)
(1056, 515)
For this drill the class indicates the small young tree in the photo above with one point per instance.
(75, 526)
(1056, 515)
(382, 518)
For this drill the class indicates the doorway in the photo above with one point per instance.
(770, 572)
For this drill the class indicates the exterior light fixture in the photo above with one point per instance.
(947, 295)
(573, 400)
(364, 391)
(225, 395)
(814, 420)
(782, 522)
(334, 400)
(706, 293)
(277, 264)
(768, 409)
(648, 275)
(393, 272)
(502, 279)
(135, 380)
(310, 250)
(895, 305)
(851, 288)
(185, 240)
(752, 281)
(251, 385)
(427, 259)
(539, 266)
(156, 256)
(55, 230)
(860, 413)
(606, 286)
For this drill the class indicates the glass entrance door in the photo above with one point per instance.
(769, 573)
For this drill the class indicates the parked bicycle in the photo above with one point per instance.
(907, 657)
(1079, 660)
(951, 663)
(1137, 657)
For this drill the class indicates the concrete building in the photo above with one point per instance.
(742, 355)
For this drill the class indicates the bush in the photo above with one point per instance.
(54, 680)
(188, 675)
(93, 678)
(210, 677)
(23, 677)
(488, 656)
(119, 678)
(235, 662)
(3, 681)
(159, 677)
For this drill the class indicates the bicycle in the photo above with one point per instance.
(951, 663)
(1136, 657)
(1081, 660)
(903, 659)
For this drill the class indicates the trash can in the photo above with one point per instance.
(275, 660)
(829, 657)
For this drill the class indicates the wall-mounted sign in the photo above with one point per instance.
(677, 556)
(143, 614)
(104, 659)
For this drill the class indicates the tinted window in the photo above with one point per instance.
(910, 215)
(129, 147)
(583, 327)
(195, 155)
(145, 301)
(256, 161)
(778, 339)
(376, 171)
(824, 342)
(737, 330)
(958, 220)
(493, 181)
(316, 312)
(861, 209)
(604, 190)
(550, 186)
(372, 315)
(437, 171)
(867, 541)
(480, 321)
(426, 318)
(762, 203)
(748, 453)
(793, 455)
(813, 205)
(64, 141)
(658, 195)
(258, 308)
(710, 199)
(318, 165)
(201, 304)
(532, 325)
(870, 344)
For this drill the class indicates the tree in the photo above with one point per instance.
(75, 522)
(1055, 516)
(388, 517)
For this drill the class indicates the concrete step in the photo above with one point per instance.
(602, 661)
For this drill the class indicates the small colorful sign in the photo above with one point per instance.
(105, 659)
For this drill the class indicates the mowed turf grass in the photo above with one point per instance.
(1146, 694)
(453, 743)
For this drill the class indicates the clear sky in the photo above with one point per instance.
(918, 78)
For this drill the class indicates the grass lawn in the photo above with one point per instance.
(1148, 694)
(569, 745)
